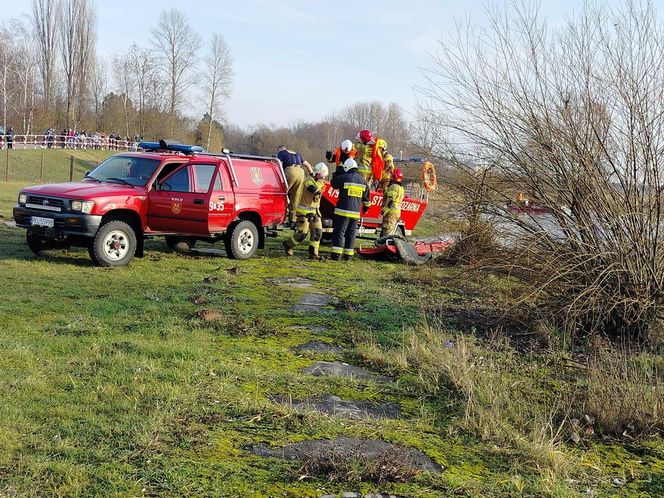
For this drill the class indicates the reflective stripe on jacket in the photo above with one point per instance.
(310, 197)
(364, 156)
(353, 194)
(393, 198)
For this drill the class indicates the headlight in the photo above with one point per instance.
(22, 198)
(82, 206)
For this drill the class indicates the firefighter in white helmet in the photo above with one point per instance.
(353, 197)
(308, 214)
(345, 150)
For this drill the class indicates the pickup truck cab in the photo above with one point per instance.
(171, 190)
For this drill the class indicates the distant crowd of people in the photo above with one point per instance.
(71, 139)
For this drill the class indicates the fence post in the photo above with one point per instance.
(7, 167)
(71, 168)
(41, 168)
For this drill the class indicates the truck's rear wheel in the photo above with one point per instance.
(180, 244)
(242, 240)
(114, 244)
(37, 243)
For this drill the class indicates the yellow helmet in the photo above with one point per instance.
(389, 158)
(381, 143)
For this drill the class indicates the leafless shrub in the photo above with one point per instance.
(573, 117)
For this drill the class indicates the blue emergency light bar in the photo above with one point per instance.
(173, 147)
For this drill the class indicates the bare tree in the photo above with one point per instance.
(99, 87)
(124, 80)
(217, 79)
(77, 36)
(177, 44)
(573, 118)
(24, 73)
(6, 64)
(144, 71)
(45, 29)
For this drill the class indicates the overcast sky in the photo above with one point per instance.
(304, 59)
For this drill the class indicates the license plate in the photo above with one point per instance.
(38, 221)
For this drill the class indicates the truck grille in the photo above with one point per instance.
(45, 203)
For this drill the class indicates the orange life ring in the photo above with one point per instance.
(429, 176)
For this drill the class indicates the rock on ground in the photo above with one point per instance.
(345, 449)
(334, 405)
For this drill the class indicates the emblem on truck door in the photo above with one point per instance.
(176, 208)
(256, 176)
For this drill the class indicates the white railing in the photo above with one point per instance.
(92, 142)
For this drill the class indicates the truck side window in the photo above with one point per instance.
(178, 182)
(203, 174)
(167, 170)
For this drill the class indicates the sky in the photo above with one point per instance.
(302, 60)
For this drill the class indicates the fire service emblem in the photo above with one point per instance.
(257, 176)
(176, 208)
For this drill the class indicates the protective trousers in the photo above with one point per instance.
(343, 235)
(307, 224)
(294, 179)
(389, 225)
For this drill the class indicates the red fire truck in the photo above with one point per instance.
(171, 190)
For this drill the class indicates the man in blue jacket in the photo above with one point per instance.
(293, 163)
(353, 196)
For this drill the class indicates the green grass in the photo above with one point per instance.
(109, 387)
(26, 165)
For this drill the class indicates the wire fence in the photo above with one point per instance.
(73, 142)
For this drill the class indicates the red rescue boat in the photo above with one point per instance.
(412, 210)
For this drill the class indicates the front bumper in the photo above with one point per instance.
(74, 224)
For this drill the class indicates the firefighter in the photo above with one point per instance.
(353, 196)
(370, 152)
(392, 204)
(293, 163)
(308, 214)
(345, 150)
(388, 170)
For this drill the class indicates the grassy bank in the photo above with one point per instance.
(26, 165)
(157, 378)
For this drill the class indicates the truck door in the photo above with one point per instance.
(222, 201)
(179, 202)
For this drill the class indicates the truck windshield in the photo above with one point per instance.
(125, 169)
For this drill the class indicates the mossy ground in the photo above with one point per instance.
(109, 387)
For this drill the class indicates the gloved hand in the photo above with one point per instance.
(328, 155)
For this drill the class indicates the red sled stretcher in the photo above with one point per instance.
(397, 248)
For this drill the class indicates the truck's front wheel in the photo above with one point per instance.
(242, 240)
(114, 244)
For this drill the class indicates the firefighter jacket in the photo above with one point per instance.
(339, 156)
(353, 194)
(310, 199)
(364, 157)
(393, 198)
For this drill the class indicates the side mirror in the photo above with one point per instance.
(87, 173)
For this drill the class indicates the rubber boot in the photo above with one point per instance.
(335, 256)
(287, 249)
(313, 254)
(347, 257)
